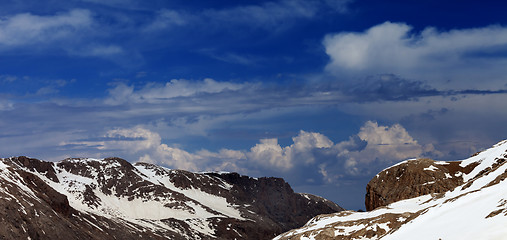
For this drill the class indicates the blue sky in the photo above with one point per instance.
(323, 93)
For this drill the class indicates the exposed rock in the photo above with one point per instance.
(275, 199)
(36, 165)
(413, 178)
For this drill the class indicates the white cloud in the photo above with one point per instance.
(458, 56)
(270, 154)
(468, 124)
(142, 142)
(148, 147)
(172, 157)
(372, 147)
(339, 5)
(167, 18)
(231, 57)
(28, 29)
(8, 78)
(6, 105)
(384, 145)
(74, 32)
(271, 15)
(305, 143)
(153, 93)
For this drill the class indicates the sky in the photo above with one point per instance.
(323, 93)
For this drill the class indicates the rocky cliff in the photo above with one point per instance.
(414, 178)
(113, 199)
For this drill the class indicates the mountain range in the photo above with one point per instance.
(84, 198)
(111, 198)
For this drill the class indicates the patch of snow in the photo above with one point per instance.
(441, 163)
(430, 168)
(428, 183)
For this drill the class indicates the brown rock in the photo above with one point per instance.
(413, 178)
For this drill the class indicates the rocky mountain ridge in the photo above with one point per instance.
(425, 199)
(110, 198)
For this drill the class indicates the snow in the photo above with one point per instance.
(461, 213)
(402, 162)
(430, 168)
(468, 214)
(88, 221)
(214, 202)
(441, 163)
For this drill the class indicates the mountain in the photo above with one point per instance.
(83, 198)
(425, 199)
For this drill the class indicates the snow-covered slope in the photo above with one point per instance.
(476, 209)
(146, 201)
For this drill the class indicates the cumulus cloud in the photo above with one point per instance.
(28, 29)
(270, 154)
(459, 55)
(384, 146)
(148, 146)
(373, 148)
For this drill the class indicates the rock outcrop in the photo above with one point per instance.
(414, 178)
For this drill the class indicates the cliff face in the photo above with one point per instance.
(113, 199)
(414, 178)
(425, 199)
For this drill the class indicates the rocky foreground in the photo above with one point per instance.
(425, 199)
(113, 199)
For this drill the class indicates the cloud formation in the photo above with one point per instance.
(373, 148)
(270, 154)
(384, 146)
(27, 29)
(144, 145)
(156, 92)
(166, 19)
(460, 55)
(271, 15)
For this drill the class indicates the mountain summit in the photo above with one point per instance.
(425, 199)
(84, 198)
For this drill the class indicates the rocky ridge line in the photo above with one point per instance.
(113, 199)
